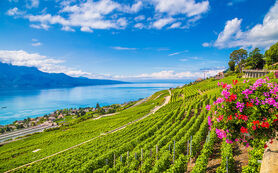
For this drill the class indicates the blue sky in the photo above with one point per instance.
(133, 39)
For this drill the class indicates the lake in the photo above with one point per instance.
(20, 104)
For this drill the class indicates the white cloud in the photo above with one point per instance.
(32, 3)
(43, 63)
(108, 14)
(261, 35)
(86, 15)
(170, 74)
(86, 29)
(175, 25)
(160, 23)
(67, 28)
(139, 25)
(231, 29)
(206, 44)
(40, 26)
(177, 53)
(188, 7)
(14, 11)
(123, 48)
(37, 44)
(134, 8)
(51, 65)
(139, 18)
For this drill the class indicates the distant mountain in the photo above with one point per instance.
(30, 77)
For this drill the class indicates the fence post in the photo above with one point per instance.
(156, 152)
(170, 147)
(121, 158)
(190, 146)
(150, 152)
(187, 147)
(114, 159)
(174, 152)
(141, 157)
(127, 155)
(227, 166)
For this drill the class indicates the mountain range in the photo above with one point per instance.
(12, 76)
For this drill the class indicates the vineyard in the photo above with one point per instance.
(176, 138)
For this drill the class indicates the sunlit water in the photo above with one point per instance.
(20, 104)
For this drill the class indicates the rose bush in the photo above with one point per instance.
(245, 112)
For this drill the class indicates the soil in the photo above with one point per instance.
(215, 159)
(240, 153)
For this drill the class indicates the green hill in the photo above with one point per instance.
(158, 143)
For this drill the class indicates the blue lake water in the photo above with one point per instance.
(21, 104)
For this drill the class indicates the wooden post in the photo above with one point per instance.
(135, 156)
(127, 155)
(150, 152)
(187, 147)
(190, 145)
(227, 166)
(114, 159)
(156, 152)
(141, 157)
(121, 158)
(174, 153)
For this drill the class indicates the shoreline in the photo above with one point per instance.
(22, 104)
(54, 118)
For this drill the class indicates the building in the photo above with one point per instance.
(198, 80)
(220, 75)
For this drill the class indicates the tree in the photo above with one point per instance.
(238, 56)
(272, 54)
(97, 106)
(255, 59)
(232, 65)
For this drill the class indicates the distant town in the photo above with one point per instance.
(65, 116)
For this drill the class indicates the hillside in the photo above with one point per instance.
(30, 77)
(161, 142)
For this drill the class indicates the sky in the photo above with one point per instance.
(133, 40)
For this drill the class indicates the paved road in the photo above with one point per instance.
(30, 130)
(167, 99)
(22, 132)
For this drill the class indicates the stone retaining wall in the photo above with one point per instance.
(270, 159)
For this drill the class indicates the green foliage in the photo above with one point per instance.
(180, 165)
(183, 117)
(238, 56)
(232, 65)
(255, 59)
(272, 54)
(202, 160)
(69, 135)
(254, 155)
(226, 152)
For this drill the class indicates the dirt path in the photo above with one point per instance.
(167, 99)
(136, 104)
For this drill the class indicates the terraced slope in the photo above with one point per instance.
(175, 138)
